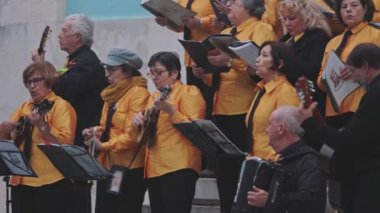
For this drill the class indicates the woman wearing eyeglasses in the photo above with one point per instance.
(172, 162)
(50, 120)
(115, 137)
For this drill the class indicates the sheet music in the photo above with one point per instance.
(247, 51)
(338, 88)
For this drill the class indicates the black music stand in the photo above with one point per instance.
(209, 139)
(12, 162)
(74, 162)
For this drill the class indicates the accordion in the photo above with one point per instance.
(266, 175)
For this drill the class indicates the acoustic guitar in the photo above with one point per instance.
(147, 131)
(23, 126)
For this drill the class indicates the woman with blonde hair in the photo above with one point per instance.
(307, 33)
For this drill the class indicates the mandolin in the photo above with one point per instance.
(147, 131)
(45, 36)
(23, 126)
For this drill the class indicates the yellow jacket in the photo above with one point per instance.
(361, 34)
(270, 16)
(205, 12)
(278, 93)
(376, 16)
(171, 150)
(61, 120)
(236, 88)
(122, 145)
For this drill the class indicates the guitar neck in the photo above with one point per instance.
(318, 116)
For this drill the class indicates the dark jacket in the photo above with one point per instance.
(305, 188)
(81, 86)
(360, 139)
(309, 51)
(360, 142)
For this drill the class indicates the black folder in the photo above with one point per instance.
(209, 139)
(198, 50)
(74, 162)
(12, 161)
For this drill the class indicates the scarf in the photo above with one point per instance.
(114, 92)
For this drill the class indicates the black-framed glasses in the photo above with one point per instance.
(33, 82)
(156, 73)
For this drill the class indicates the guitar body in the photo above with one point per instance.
(148, 130)
(24, 127)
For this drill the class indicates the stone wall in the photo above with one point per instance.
(21, 26)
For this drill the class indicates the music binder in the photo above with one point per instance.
(173, 11)
(12, 161)
(74, 162)
(221, 17)
(205, 135)
(198, 50)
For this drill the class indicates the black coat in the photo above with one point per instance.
(81, 86)
(309, 51)
(305, 188)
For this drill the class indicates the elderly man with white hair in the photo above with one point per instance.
(305, 188)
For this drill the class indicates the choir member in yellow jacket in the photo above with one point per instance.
(49, 191)
(172, 162)
(117, 139)
(272, 66)
(234, 90)
(355, 15)
(196, 28)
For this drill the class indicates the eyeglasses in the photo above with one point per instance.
(111, 68)
(156, 73)
(33, 82)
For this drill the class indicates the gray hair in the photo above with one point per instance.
(82, 25)
(309, 11)
(256, 7)
(288, 115)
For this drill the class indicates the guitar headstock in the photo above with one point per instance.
(305, 89)
(45, 36)
(44, 107)
(164, 92)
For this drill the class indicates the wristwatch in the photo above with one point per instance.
(43, 128)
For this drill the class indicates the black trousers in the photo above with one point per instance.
(366, 194)
(130, 199)
(172, 192)
(228, 169)
(43, 199)
(340, 166)
(80, 197)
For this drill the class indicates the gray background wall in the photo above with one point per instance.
(21, 25)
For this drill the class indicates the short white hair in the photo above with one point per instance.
(288, 115)
(83, 25)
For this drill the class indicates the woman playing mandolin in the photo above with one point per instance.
(115, 138)
(49, 119)
(172, 162)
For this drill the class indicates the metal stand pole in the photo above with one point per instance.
(8, 201)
